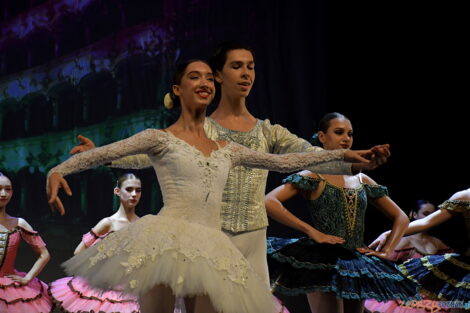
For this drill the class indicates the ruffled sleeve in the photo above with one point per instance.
(458, 206)
(90, 238)
(32, 238)
(302, 182)
(375, 191)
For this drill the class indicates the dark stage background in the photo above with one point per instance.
(101, 68)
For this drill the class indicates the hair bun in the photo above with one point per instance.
(168, 101)
(315, 141)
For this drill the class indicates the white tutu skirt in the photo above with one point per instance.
(190, 258)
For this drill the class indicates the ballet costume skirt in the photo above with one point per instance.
(74, 294)
(301, 265)
(16, 298)
(444, 277)
(399, 306)
(183, 246)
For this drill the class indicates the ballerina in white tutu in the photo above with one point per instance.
(182, 250)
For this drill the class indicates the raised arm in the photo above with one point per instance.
(138, 161)
(458, 202)
(39, 247)
(278, 212)
(150, 142)
(432, 220)
(288, 162)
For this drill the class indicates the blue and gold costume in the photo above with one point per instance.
(300, 266)
(444, 277)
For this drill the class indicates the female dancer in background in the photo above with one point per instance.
(413, 246)
(73, 294)
(182, 251)
(442, 277)
(326, 266)
(20, 292)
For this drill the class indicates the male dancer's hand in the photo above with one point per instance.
(55, 182)
(382, 153)
(85, 145)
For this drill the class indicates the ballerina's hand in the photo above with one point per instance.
(55, 182)
(382, 153)
(380, 254)
(324, 238)
(85, 145)
(19, 280)
(378, 243)
(379, 156)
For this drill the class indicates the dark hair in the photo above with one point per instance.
(178, 76)
(417, 207)
(324, 123)
(219, 57)
(125, 177)
(323, 126)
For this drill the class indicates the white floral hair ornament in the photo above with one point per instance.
(168, 101)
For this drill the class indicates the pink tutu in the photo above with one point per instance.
(73, 294)
(15, 298)
(31, 298)
(283, 308)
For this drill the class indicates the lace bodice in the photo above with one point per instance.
(338, 211)
(9, 243)
(191, 183)
(243, 198)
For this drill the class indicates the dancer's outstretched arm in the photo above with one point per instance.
(150, 142)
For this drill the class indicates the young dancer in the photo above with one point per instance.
(73, 294)
(20, 292)
(442, 277)
(325, 266)
(413, 246)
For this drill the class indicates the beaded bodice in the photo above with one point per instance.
(338, 211)
(9, 243)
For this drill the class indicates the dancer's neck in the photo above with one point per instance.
(126, 212)
(231, 107)
(190, 122)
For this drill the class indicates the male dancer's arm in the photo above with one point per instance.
(283, 141)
